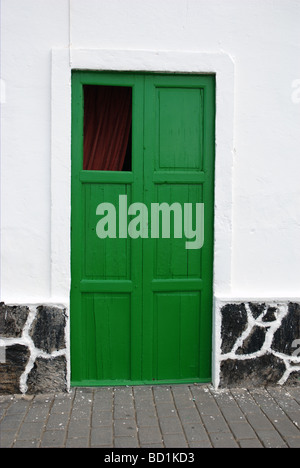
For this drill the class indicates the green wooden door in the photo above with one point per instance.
(141, 302)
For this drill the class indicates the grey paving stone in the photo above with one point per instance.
(125, 427)
(293, 442)
(250, 443)
(195, 432)
(245, 401)
(171, 425)
(260, 422)
(7, 438)
(162, 394)
(19, 406)
(286, 428)
(142, 395)
(77, 442)
(152, 446)
(169, 416)
(180, 389)
(188, 414)
(149, 435)
(30, 431)
(80, 428)
(123, 396)
(124, 411)
(103, 399)
(295, 393)
(57, 421)
(183, 400)
(242, 430)
(166, 410)
(53, 439)
(101, 436)
(215, 423)
(228, 406)
(226, 440)
(102, 418)
(271, 439)
(62, 404)
(126, 442)
(200, 444)
(175, 441)
(146, 417)
(39, 409)
(27, 443)
(11, 422)
(204, 401)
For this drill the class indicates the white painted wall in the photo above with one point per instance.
(29, 29)
(262, 37)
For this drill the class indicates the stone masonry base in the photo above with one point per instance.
(256, 344)
(259, 343)
(33, 356)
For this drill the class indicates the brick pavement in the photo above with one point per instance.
(175, 416)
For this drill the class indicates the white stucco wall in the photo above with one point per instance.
(42, 39)
(29, 30)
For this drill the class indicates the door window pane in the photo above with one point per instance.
(107, 128)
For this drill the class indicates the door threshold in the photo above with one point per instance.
(127, 383)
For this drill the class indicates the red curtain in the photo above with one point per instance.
(107, 123)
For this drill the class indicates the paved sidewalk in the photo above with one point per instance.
(174, 416)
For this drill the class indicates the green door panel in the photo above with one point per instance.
(109, 259)
(141, 308)
(179, 134)
(176, 352)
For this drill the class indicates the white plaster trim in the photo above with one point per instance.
(63, 61)
(60, 176)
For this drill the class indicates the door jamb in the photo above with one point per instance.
(63, 62)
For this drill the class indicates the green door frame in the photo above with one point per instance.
(141, 286)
